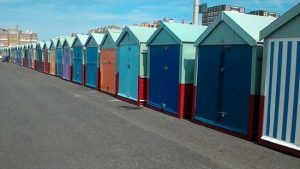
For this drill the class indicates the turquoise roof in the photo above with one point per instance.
(69, 41)
(141, 34)
(82, 38)
(181, 32)
(245, 25)
(97, 36)
(114, 35)
(33, 45)
(54, 42)
(47, 44)
(61, 39)
(41, 44)
(285, 18)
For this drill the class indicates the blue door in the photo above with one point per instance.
(164, 77)
(77, 66)
(91, 67)
(223, 86)
(59, 61)
(128, 72)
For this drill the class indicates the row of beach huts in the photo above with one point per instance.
(240, 75)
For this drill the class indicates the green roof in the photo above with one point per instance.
(97, 36)
(245, 25)
(69, 40)
(285, 18)
(141, 34)
(181, 32)
(82, 39)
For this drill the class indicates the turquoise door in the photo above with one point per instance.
(77, 66)
(91, 67)
(59, 61)
(128, 72)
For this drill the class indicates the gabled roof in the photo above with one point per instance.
(181, 32)
(41, 44)
(285, 18)
(61, 39)
(54, 42)
(82, 39)
(69, 41)
(141, 34)
(47, 44)
(114, 34)
(245, 25)
(97, 36)
(33, 45)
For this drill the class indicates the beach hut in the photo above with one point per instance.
(59, 56)
(52, 54)
(29, 55)
(228, 74)
(132, 61)
(280, 87)
(78, 60)
(108, 65)
(171, 68)
(46, 64)
(67, 56)
(39, 56)
(33, 56)
(92, 60)
(25, 58)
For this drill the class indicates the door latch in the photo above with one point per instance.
(222, 114)
(165, 67)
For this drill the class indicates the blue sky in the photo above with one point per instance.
(62, 17)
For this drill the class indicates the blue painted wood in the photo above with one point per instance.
(223, 86)
(91, 67)
(128, 71)
(29, 57)
(164, 77)
(59, 61)
(40, 59)
(77, 64)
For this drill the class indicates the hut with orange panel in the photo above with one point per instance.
(108, 64)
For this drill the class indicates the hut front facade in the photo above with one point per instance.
(280, 87)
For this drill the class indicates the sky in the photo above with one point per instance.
(62, 17)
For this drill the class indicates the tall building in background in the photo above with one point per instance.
(265, 13)
(14, 36)
(104, 29)
(212, 12)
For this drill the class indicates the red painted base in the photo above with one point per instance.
(185, 102)
(142, 90)
(252, 119)
(280, 148)
(265, 143)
